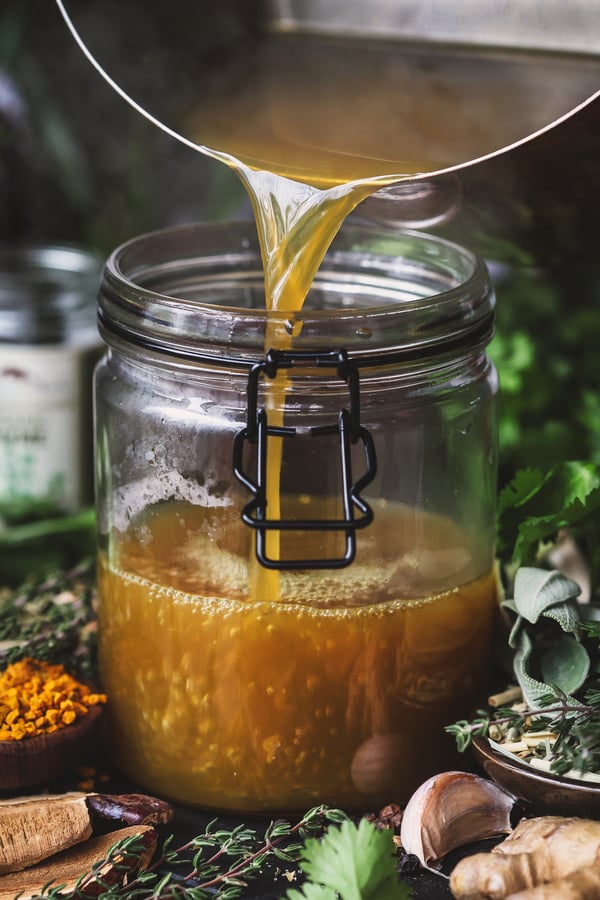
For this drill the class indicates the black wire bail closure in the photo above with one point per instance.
(357, 512)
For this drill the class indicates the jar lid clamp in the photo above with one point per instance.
(350, 431)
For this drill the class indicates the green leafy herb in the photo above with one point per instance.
(592, 628)
(536, 505)
(351, 863)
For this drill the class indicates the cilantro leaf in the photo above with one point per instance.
(351, 862)
(536, 505)
(311, 891)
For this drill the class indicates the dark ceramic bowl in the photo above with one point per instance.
(539, 792)
(34, 761)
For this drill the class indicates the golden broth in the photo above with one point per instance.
(336, 694)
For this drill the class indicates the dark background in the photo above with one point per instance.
(77, 164)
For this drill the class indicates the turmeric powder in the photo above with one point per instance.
(39, 698)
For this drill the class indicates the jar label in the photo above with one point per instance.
(40, 425)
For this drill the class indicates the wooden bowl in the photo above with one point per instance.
(34, 761)
(541, 792)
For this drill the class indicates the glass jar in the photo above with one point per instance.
(296, 516)
(49, 345)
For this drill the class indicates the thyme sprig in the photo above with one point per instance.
(219, 862)
(575, 745)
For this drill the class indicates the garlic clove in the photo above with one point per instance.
(452, 809)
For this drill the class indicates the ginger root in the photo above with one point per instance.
(539, 852)
(584, 884)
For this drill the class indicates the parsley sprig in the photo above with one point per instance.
(353, 863)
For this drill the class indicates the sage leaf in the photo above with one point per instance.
(565, 664)
(567, 616)
(538, 590)
(513, 638)
(534, 691)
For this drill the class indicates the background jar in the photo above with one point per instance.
(237, 684)
(49, 345)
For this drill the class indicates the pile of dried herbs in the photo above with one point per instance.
(53, 620)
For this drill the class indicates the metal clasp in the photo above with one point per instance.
(357, 512)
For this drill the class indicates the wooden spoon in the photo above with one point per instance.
(36, 760)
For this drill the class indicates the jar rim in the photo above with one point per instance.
(193, 291)
(45, 289)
